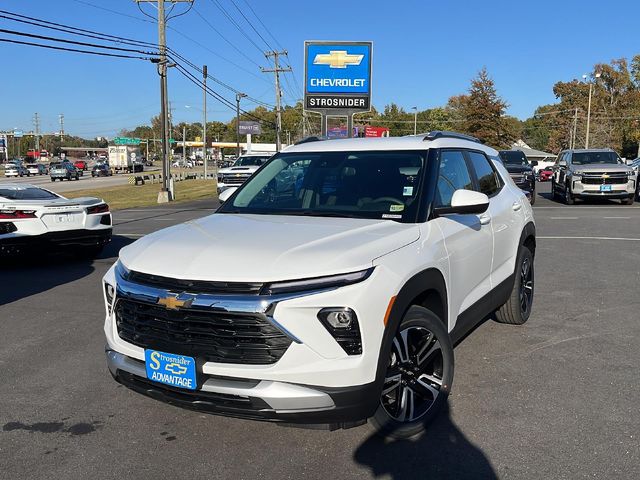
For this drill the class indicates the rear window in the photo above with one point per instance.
(26, 193)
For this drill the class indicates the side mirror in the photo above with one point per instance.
(534, 163)
(224, 196)
(465, 202)
(562, 164)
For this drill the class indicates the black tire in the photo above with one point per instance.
(77, 177)
(53, 179)
(517, 309)
(568, 196)
(554, 190)
(414, 388)
(533, 197)
(627, 201)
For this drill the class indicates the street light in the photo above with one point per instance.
(415, 120)
(586, 142)
(238, 97)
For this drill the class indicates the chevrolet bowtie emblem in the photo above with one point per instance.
(337, 59)
(604, 175)
(173, 303)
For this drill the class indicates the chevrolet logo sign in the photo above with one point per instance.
(337, 59)
(604, 175)
(173, 303)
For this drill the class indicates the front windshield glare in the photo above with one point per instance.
(588, 158)
(381, 185)
(250, 161)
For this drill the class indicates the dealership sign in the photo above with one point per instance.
(338, 77)
(249, 128)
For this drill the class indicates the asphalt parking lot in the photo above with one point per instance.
(556, 398)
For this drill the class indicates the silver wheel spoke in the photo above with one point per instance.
(402, 345)
(423, 382)
(423, 358)
(406, 411)
(391, 383)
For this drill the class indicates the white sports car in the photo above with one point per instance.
(31, 215)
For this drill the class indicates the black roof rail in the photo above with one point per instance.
(313, 138)
(444, 134)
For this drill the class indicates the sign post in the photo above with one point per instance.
(337, 79)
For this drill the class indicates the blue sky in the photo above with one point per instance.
(424, 52)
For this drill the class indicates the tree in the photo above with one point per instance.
(483, 113)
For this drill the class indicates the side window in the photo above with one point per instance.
(488, 179)
(453, 175)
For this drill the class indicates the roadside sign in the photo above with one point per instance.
(126, 141)
(250, 128)
(3, 143)
(338, 77)
(18, 134)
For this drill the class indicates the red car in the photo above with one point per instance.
(80, 165)
(545, 175)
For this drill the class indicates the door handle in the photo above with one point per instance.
(516, 206)
(485, 219)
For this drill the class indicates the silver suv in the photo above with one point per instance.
(594, 173)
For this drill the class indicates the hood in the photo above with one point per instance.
(601, 167)
(247, 169)
(261, 248)
(518, 168)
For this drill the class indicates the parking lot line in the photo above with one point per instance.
(563, 218)
(587, 238)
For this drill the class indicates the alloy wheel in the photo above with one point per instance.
(526, 287)
(414, 375)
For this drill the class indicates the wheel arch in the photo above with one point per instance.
(528, 237)
(427, 289)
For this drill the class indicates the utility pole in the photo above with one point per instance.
(238, 97)
(415, 120)
(586, 142)
(575, 129)
(36, 123)
(164, 195)
(61, 117)
(204, 121)
(277, 70)
(184, 143)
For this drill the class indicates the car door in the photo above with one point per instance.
(506, 213)
(468, 238)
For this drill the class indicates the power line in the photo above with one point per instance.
(235, 24)
(73, 42)
(251, 25)
(52, 47)
(263, 25)
(113, 11)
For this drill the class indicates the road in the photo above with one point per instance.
(556, 398)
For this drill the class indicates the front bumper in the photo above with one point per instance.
(255, 399)
(70, 238)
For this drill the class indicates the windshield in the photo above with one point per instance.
(251, 161)
(513, 157)
(26, 193)
(591, 158)
(382, 185)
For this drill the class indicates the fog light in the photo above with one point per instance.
(342, 324)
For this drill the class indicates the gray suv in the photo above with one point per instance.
(594, 173)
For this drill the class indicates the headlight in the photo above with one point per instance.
(122, 271)
(318, 283)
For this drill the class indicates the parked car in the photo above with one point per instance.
(31, 216)
(63, 170)
(329, 296)
(80, 165)
(101, 170)
(245, 166)
(545, 174)
(594, 173)
(635, 165)
(521, 171)
(16, 169)
(37, 169)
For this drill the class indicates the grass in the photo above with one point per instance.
(130, 196)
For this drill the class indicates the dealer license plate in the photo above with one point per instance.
(605, 188)
(171, 369)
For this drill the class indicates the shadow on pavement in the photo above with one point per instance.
(39, 270)
(442, 453)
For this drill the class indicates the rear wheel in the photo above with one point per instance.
(418, 377)
(518, 308)
(533, 197)
(53, 179)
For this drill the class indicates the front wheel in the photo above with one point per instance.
(518, 308)
(568, 196)
(418, 377)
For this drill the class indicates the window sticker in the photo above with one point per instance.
(390, 215)
(407, 191)
(396, 208)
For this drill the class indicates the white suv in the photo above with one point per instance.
(242, 169)
(330, 288)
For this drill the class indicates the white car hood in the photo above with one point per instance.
(240, 169)
(261, 248)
